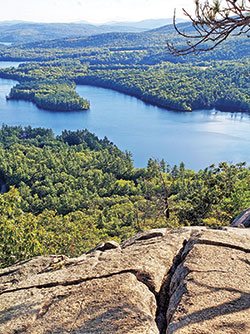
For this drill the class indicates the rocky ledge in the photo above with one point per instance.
(187, 280)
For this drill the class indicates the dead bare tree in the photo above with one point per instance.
(213, 22)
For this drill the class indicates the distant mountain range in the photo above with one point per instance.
(25, 32)
(146, 24)
(147, 47)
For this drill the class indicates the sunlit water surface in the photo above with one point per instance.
(199, 138)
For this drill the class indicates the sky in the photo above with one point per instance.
(94, 11)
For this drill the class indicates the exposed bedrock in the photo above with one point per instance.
(186, 280)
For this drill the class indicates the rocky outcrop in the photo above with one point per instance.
(186, 280)
(243, 220)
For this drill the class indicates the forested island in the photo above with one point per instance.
(89, 243)
(66, 193)
(137, 64)
(57, 95)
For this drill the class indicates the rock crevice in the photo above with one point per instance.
(183, 281)
(223, 244)
(164, 295)
(142, 277)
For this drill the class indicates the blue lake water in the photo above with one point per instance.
(199, 138)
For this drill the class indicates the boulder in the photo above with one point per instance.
(243, 220)
(185, 280)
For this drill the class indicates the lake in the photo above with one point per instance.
(197, 138)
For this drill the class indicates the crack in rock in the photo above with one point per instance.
(10, 272)
(221, 244)
(143, 277)
(144, 236)
(163, 297)
(163, 314)
(104, 246)
(173, 278)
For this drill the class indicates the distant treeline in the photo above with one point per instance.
(138, 64)
(126, 48)
(223, 85)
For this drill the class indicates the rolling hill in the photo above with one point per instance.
(26, 32)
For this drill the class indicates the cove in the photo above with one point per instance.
(199, 138)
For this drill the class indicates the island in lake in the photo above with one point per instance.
(51, 95)
(137, 64)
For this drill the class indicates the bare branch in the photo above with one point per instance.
(213, 23)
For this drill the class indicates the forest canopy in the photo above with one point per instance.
(69, 192)
(64, 194)
(138, 64)
(57, 95)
